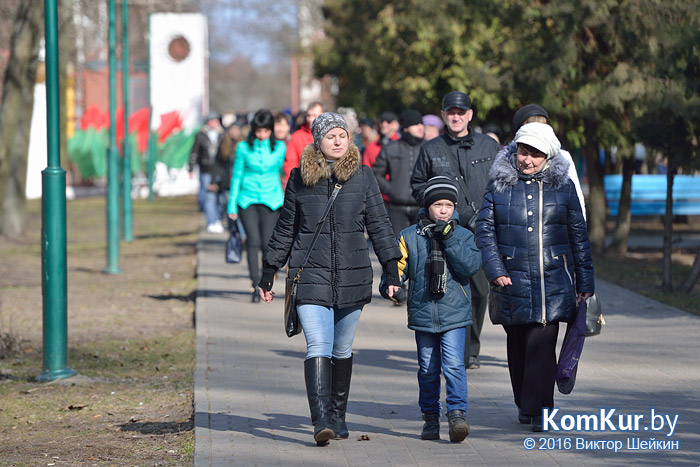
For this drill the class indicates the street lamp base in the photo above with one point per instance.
(56, 374)
(112, 270)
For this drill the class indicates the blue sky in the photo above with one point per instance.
(252, 30)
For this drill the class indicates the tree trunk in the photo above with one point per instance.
(597, 208)
(667, 281)
(694, 275)
(65, 33)
(16, 114)
(622, 226)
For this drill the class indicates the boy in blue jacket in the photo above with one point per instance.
(439, 257)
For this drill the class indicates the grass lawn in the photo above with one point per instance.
(130, 338)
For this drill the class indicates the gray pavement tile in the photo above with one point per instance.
(251, 409)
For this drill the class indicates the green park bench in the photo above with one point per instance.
(649, 194)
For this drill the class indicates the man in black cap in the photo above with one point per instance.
(393, 169)
(388, 131)
(466, 157)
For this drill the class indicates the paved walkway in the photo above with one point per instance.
(251, 409)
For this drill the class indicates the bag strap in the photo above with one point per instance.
(460, 179)
(319, 226)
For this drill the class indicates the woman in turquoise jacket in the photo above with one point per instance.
(256, 189)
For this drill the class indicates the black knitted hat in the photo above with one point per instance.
(410, 117)
(437, 188)
(525, 112)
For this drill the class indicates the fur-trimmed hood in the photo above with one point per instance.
(313, 165)
(504, 173)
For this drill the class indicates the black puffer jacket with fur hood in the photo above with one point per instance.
(339, 271)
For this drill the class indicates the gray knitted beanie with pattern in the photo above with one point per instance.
(325, 123)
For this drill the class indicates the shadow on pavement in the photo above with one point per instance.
(281, 422)
(258, 427)
(393, 360)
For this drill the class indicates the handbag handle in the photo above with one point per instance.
(319, 226)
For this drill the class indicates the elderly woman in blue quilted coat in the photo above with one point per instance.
(537, 257)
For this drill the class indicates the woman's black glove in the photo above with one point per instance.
(268, 277)
(444, 230)
(391, 269)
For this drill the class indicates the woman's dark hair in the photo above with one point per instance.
(283, 116)
(262, 119)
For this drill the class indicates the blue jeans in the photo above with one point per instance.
(204, 181)
(444, 351)
(209, 200)
(222, 204)
(329, 331)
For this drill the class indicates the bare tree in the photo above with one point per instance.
(16, 113)
(239, 79)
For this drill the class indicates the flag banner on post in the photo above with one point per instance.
(179, 94)
(178, 50)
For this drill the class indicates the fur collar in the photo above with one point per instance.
(314, 167)
(504, 174)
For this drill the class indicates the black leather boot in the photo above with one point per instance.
(431, 427)
(341, 370)
(317, 373)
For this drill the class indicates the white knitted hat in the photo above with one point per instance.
(540, 136)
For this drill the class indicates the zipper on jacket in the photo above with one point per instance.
(331, 228)
(541, 240)
(464, 292)
(435, 316)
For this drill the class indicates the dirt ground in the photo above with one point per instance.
(130, 338)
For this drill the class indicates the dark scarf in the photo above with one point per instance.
(437, 269)
(410, 139)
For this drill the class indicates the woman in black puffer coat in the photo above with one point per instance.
(337, 280)
(537, 257)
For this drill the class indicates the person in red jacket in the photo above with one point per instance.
(300, 139)
(389, 129)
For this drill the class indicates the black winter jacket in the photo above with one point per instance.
(339, 271)
(203, 152)
(531, 228)
(397, 160)
(475, 156)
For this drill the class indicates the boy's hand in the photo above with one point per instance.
(443, 230)
(396, 294)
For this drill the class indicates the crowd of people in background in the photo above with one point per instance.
(215, 145)
(426, 190)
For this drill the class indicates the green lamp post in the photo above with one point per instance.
(112, 159)
(53, 221)
(126, 146)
